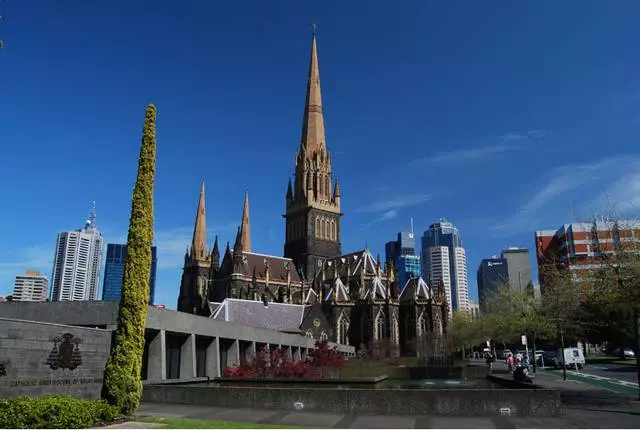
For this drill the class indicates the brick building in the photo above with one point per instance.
(580, 246)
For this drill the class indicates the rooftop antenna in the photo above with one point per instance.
(91, 220)
(411, 226)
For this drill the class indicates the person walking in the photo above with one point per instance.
(510, 362)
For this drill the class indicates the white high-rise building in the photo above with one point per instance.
(30, 287)
(462, 283)
(77, 263)
(444, 258)
(437, 258)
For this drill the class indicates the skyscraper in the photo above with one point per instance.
(444, 258)
(492, 274)
(402, 254)
(30, 287)
(519, 267)
(77, 261)
(114, 271)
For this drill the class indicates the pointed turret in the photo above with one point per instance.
(244, 228)
(289, 192)
(313, 137)
(215, 255)
(237, 245)
(336, 193)
(199, 242)
(227, 253)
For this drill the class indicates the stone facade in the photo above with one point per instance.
(43, 358)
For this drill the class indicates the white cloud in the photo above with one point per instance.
(562, 182)
(384, 217)
(395, 203)
(501, 145)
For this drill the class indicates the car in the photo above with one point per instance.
(626, 352)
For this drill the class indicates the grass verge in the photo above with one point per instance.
(188, 423)
(608, 359)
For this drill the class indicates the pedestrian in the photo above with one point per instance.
(490, 360)
(510, 363)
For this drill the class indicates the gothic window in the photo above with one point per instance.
(395, 330)
(333, 230)
(421, 329)
(379, 326)
(328, 185)
(326, 228)
(323, 336)
(317, 227)
(309, 334)
(343, 330)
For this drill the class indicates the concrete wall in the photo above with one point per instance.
(178, 345)
(27, 354)
(105, 314)
(455, 402)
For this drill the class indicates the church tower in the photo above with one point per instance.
(313, 202)
(194, 287)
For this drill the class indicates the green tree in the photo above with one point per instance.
(122, 379)
(511, 314)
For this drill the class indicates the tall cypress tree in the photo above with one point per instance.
(122, 378)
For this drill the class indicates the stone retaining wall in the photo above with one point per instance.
(41, 358)
(454, 402)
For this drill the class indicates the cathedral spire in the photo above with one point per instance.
(199, 242)
(313, 138)
(246, 232)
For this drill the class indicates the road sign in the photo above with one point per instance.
(523, 338)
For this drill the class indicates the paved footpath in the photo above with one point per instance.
(572, 418)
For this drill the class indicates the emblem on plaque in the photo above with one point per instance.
(65, 353)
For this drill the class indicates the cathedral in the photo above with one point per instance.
(351, 298)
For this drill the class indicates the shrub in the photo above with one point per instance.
(275, 364)
(122, 383)
(54, 412)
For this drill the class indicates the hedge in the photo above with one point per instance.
(122, 384)
(54, 412)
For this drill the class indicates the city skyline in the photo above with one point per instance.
(204, 106)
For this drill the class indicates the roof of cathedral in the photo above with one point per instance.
(283, 317)
(357, 261)
(278, 267)
(311, 297)
(340, 290)
(415, 288)
(378, 290)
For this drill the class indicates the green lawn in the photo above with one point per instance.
(187, 423)
(609, 359)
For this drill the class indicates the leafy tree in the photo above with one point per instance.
(122, 379)
(511, 314)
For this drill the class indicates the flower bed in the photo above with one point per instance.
(321, 363)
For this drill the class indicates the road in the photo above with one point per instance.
(618, 378)
(624, 372)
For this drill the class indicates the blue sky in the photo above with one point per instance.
(504, 117)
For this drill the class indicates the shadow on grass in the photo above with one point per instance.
(188, 423)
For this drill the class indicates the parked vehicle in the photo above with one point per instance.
(570, 357)
(626, 352)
